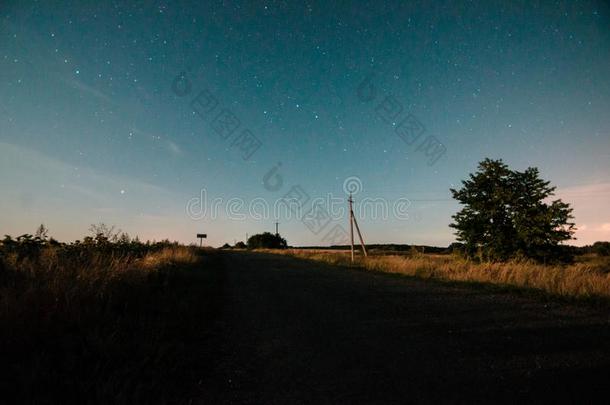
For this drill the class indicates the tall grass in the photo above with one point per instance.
(589, 278)
(52, 281)
(101, 325)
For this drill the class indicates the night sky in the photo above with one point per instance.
(110, 113)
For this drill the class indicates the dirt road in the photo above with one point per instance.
(294, 331)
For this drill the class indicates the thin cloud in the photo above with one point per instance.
(592, 190)
(174, 148)
(68, 200)
(89, 90)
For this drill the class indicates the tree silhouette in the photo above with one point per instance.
(103, 233)
(266, 240)
(601, 248)
(42, 232)
(505, 215)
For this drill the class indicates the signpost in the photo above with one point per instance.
(201, 236)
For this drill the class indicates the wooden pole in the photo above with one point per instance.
(360, 237)
(351, 226)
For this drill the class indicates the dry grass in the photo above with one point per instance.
(179, 255)
(587, 278)
(98, 327)
(50, 281)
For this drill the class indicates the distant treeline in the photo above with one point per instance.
(390, 247)
(102, 239)
(599, 248)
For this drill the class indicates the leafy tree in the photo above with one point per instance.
(240, 245)
(505, 215)
(266, 240)
(601, 248)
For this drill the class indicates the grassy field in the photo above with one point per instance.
(91, 326)
(587, 278)
(101, 322)
(139, 323)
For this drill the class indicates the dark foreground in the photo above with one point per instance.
(239, 327)
(294, 331)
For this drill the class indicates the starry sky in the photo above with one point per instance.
(110, 112)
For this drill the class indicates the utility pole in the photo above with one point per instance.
(352, 222)
(360, 237)
(276, 232)
(351, 226)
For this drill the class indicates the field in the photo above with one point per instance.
(102, 324)
(587, 278)
(168, 324)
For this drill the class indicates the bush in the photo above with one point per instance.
(601, 248)
(266, 240)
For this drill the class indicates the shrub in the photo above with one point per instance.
(602, 248)
(266, 240)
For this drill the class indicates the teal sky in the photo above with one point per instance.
(91, 129)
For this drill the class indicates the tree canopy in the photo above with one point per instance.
(266, 240)
(506, 214)
(601, 248)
